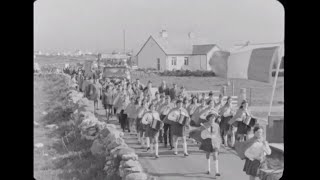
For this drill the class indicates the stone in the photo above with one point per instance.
(136, 176)
(39, 145)
(124, 151)
(116, 143)
(131, 163)
(52, 126)
(129, 156)
(97, 148)
(115, 151)
(135, 169)
(35, 123)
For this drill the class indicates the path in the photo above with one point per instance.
(178, 167)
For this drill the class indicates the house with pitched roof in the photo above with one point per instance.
(164, 53)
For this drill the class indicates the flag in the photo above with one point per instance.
(253, 64)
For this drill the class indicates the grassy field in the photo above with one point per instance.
(260, 92)
(53, 160)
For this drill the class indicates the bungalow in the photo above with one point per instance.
(162, 53)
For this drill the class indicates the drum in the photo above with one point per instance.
(156, 124)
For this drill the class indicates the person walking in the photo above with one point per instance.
(239, 122)
(152, 133)
(226, 115)
(195, 119)
(211, 141)
(164, 110)
(98, 87)
(174, 91)
(179, 130)
(141, 127)
(255, 151)
(164, 89)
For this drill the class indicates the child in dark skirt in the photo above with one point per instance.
(255, 153)
(211, 142)
(226, 115)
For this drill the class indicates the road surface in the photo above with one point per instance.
(179, 167)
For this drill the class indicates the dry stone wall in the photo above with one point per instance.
(121, 161)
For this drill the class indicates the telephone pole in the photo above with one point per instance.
(124, 41)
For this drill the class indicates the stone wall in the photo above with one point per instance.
(121, 161)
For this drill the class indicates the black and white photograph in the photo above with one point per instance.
(158, 89)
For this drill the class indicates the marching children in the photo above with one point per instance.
(211, 142)
(152, 133)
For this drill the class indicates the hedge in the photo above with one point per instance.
(197, 73)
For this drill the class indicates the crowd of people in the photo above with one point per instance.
(167, 115)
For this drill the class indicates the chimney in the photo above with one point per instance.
(164, 34)
(191, 35)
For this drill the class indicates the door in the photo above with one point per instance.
(158, 64)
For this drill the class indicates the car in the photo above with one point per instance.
(116, 72)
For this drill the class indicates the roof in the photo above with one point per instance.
(202, 49)
(186, 46)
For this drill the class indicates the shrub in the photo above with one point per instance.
(181, 73)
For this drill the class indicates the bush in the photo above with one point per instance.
(181, 73)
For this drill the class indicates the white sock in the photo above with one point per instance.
(185, 149)
(157, 148)
(216, 166)
(232, 140)
(225, 140)
(151, 147)
(209, 167)
(148, 141)
(176, 146)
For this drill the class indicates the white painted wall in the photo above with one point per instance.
(198, 62)
(147, 58)
(180, 63)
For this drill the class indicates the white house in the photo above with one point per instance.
(163, 53)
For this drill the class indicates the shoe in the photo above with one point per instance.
(156, 156)
(175, 153)
(171, 148)
(218, 174)
(208, 172)
(186, 154)
(148, 149)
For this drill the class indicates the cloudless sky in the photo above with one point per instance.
(97, 25)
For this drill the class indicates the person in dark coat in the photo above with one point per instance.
(164, 89)
(174, 92)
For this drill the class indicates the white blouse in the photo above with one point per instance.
(257, 151)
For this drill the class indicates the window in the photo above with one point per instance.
(186, 61)
(174, 61)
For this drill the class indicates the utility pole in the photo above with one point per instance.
(124, 41)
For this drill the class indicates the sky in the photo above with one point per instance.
(98, 25)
